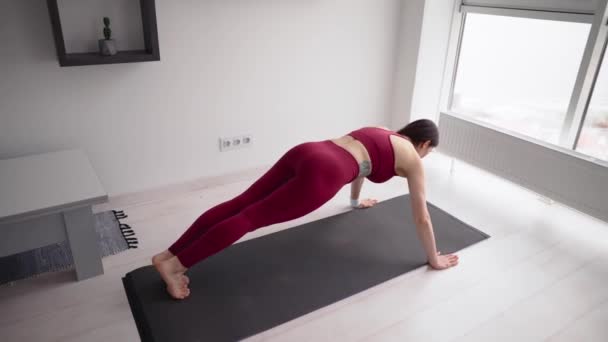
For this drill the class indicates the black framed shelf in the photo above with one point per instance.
(91, 58)
(150, 53)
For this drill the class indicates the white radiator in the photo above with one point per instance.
(550, 171)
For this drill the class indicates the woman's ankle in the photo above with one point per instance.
(162, 256)
(177, 265)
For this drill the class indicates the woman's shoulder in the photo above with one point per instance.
(406, 155)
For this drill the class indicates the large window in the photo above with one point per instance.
(593, 139)
(519, 73)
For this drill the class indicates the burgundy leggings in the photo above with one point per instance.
(303, 179)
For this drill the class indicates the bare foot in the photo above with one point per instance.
(166, 255)
(172, 271)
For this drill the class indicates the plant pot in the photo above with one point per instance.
(107, 47)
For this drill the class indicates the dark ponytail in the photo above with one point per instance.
(421, 131)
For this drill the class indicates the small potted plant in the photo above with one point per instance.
(107, 46)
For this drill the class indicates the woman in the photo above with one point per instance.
(303, 179)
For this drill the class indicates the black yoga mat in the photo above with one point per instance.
(260, 283)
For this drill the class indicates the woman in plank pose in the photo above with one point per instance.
(303, 179)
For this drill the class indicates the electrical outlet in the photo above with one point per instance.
(247, 140)
(225, 144)
(235, 142)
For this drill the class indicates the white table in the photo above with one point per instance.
(47, 198)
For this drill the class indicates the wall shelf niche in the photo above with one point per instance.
(151, 51)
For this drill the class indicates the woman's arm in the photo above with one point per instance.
(424, 226)
(355, 188)
(355, 191)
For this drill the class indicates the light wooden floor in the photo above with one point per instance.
(542, 276)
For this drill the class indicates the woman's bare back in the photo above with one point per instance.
(402, 147)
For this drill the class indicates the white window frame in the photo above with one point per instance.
(587, 73)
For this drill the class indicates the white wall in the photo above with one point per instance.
(408, 44)
(434, 42)
(424, 44)
(284, 71)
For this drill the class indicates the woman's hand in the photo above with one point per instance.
(444, 261)
(367, 203)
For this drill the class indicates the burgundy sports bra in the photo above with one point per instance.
(377, 142)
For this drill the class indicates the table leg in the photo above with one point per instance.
(79, 228)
